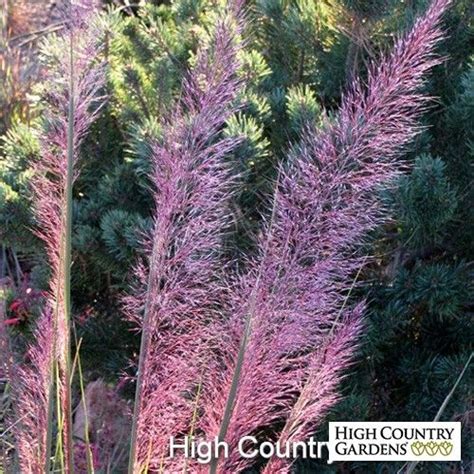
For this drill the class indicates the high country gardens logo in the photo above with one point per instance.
(348, 441)
(395, 441)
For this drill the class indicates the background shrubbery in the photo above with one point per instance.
(299, 57)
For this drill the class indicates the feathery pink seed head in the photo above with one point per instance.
(77, 64)
(325, 204)
(31, 385)
(193, 184)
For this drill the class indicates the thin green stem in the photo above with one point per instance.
(144, 344)
(60, 419)
(194, 418)
(53, 379)
(411, 466)
(158, 246)
(49, 430)
(90, 461)
(67, 261)
(455, 386)
(53, 376)
(236, 376)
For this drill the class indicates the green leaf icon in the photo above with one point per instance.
(431, 448)
(417, 448)
(445, 448)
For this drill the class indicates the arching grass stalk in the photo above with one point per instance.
(275, 365)
(193, 185)
(72, 102)
(67, 262)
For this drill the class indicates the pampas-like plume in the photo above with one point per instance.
(31, 393)
(73, 97)
(192, 188)
(286, 344)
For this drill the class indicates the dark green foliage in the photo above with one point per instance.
(121, 234)
(426, 202)
(18, 147)
(302, 45)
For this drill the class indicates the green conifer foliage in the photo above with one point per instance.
(426, 203)
(18, 146)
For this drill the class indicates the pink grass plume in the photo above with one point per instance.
(286, 344)
(73, 99)
(192, 183)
